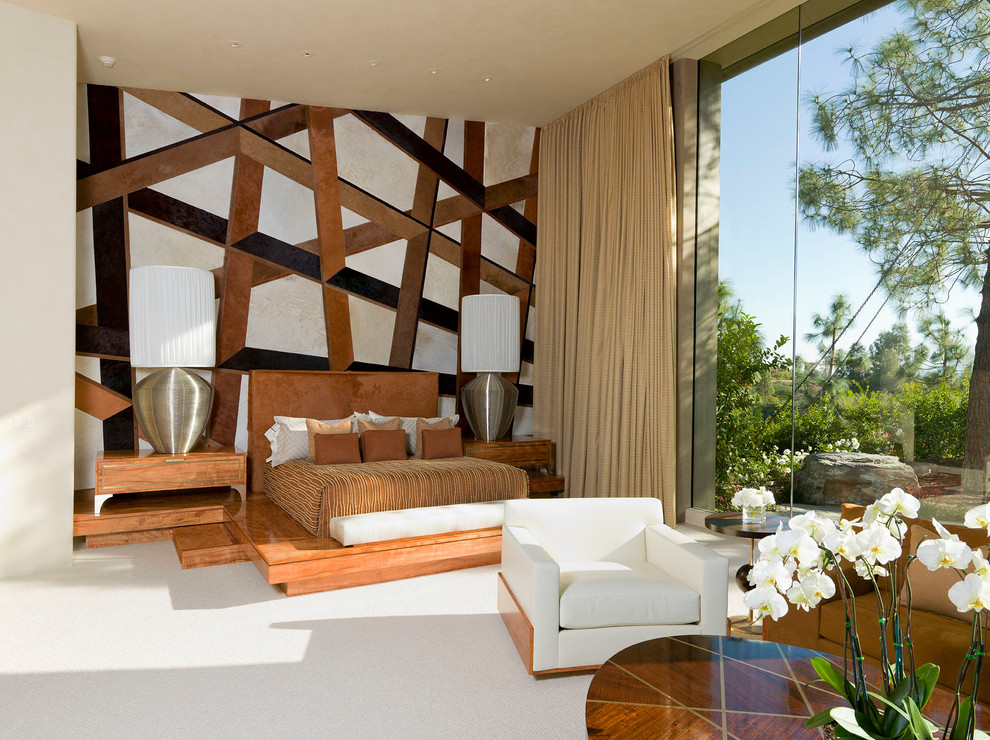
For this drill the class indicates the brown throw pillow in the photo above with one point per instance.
(314, 427)
(383, 444)
(365, 425)
(422, 424)
(337, 449)
(437, 443)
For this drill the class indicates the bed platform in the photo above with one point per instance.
(298, 563)
(218, 526)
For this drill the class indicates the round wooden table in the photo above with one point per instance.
(731, 524)
(700, 686)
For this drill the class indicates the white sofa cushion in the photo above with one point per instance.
(587, 529)
(608, 594)
(378, 526)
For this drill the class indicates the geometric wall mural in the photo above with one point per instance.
(340, 239)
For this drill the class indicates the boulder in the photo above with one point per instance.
(834, 478)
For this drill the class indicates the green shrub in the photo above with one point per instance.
(939, 417)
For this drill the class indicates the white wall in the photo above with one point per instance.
(37, 289)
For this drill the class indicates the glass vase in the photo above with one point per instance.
(754, 514)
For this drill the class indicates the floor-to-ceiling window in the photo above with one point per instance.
(854, 230)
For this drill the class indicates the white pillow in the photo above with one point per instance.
(409, 426)
(290, 440)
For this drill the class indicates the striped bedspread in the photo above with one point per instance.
(315, 494)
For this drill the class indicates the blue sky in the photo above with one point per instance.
(756, 233)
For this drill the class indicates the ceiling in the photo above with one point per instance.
(543, 57)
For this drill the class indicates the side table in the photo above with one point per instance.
(534, 455)
(145, 496)
(135, 471)
(731, 524)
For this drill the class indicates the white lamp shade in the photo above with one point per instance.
(172, 317)
(490, 333)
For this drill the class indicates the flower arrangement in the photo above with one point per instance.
(794, 563)
(754, 503)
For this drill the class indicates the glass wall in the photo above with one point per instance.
(853, 241)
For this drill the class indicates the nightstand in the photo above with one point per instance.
(145, 496)
(136, 471)
(535, 456)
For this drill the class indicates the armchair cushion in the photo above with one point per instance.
(604, 594)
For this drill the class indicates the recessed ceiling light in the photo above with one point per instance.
(435, 71)
(234, 44)
(107, 61)
(307, 54)
(487, 78)
(373, 62)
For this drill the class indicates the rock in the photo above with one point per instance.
(834, 478)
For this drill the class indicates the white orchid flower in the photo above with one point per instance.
(944, 553)
(865, 569)
(772, 573)
(980, 565)
(943, 532)
(878, 545)
(800, 597)
(798, 544)
(817, 586)
(843, 544)
(971, 593)
(768, 545)
(808, 593)
(978, 518)
(765, 602)
(814, 524)
(821, 564)
(899, 503)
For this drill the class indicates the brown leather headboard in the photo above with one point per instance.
(329, 395)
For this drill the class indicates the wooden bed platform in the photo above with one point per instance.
(299, 563)
(220, 526)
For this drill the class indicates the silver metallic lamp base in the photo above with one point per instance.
(172, 406)
(489, 403)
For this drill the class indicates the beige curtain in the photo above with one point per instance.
(604, 366)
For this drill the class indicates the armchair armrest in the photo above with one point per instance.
(694, 566)
(534, 578)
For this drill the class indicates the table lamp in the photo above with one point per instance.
(489, 345)
(172, 327)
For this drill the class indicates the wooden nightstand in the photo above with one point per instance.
(145, 496)
(135, 471)
(533, 455)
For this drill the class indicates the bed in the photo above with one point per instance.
(316, 496)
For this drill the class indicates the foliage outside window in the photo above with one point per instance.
(905, 176)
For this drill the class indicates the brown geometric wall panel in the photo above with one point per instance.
(339, 238)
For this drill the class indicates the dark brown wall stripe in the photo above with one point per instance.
(287, 255)
(251, 358)
(389, 127)
(100, 341)
(173, 212)
(515, 222)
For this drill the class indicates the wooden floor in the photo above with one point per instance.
(219, 526)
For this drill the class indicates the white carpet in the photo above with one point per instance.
(125, 644)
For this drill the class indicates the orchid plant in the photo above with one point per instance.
(793, 568)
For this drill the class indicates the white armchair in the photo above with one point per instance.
(583, 578)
